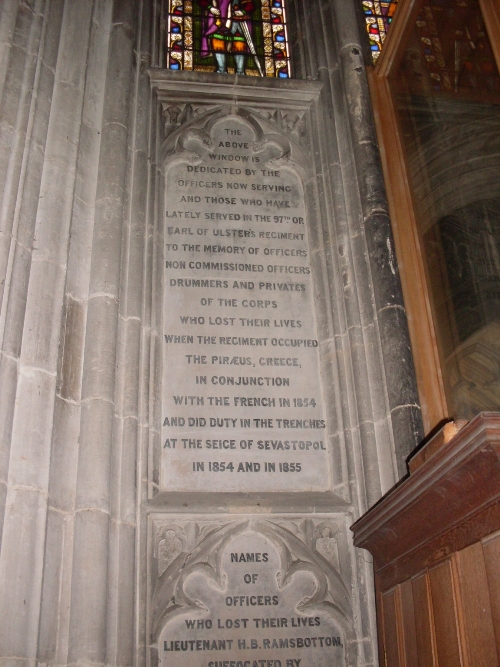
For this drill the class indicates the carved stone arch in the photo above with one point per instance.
(272, 143)
(330, 598)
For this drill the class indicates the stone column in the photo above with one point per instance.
(132, 361)
(91, 625)
(69, 317)
(384, 409)
(395, 340)
(56, 598)
(24, 110)
(65, 45)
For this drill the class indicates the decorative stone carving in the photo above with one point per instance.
(228, 171)
(255, 588)
(327, 545)
(310, 567)
(170, 544)
(174, 116)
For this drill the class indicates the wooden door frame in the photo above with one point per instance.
(409, 250)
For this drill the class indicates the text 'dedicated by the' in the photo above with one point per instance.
(242, 398)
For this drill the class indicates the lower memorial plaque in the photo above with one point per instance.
(242, 397)
(241, 600)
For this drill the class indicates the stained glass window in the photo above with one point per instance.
(456, 50)
(247, 37)
(378, 17)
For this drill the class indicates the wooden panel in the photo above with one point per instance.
(449, 503)
(445, 617)
(475, 607)
(390, 620)
(491, 551)
(423, 622)
(440, 530)
(491, 14)
(408, 624)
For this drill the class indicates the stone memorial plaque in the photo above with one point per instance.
(240, 600)
(242, 397)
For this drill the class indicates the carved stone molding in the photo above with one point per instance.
(284, 108)
(311, 557)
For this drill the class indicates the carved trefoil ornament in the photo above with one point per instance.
(252, 588)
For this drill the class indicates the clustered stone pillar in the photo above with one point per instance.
(50, 46)
(402, 391)
(67, 473)
(385, 416)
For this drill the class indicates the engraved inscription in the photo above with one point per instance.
(242, 398)
(244, 603)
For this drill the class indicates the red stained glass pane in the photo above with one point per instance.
(378, 18)
(246, 37)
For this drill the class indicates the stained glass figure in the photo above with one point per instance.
(246, 37)
(378, 18)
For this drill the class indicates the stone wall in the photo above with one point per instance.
(80, 325)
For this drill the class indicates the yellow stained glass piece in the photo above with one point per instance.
(191, 47)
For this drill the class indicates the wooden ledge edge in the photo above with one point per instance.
(442, 437)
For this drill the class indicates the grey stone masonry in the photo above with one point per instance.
(110, 542)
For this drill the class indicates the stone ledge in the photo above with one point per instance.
(249, 503)
(192, 87)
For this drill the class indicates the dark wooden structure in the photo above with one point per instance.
(435, 541)
(408, 239)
